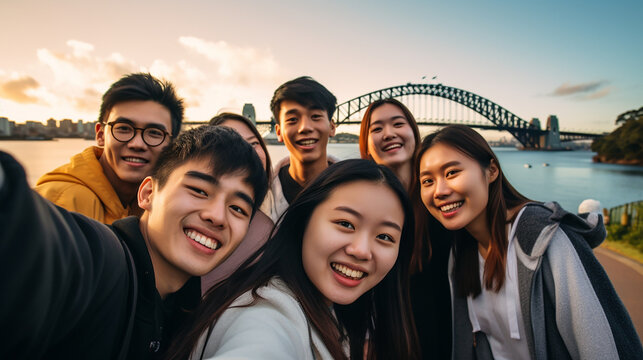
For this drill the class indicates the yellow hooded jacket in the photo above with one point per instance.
(81, 186)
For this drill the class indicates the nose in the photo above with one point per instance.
(214, 213)
(360, 247)
(387, 133)
(137, 143)
(306, 124)
(442, 189)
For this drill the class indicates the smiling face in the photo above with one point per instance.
(304, 131)
(130, 162)
(249, 136)
(352, 240)
(455, 188)
(194, 221)
(391, 141)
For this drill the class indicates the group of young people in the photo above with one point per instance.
(160, 244)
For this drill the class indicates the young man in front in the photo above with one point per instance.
(303, 109)
(68, 280)
(138, 117)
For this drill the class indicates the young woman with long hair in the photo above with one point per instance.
(524, 280)
(261, 224)
(389, 135)
(335, 270)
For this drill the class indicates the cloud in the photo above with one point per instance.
(20, 90)
(598, 94)
(586, 90)
(239, 65)
(71, 82)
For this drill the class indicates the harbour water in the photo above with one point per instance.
(569, 177)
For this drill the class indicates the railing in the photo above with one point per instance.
(627, 214)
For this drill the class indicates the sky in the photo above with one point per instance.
(579, 60)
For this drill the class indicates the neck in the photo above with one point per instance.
(126, 191)
(168, 279)
(480, 231)
(304, 173)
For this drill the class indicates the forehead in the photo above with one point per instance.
(374, 201)
(141, 113)
(440, 154)
(239, 127)
(203, 165)
(289, 106)
(386, 112)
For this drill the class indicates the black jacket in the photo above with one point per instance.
(65, 283)
(156, 320)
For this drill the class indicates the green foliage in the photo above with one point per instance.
(626, 142)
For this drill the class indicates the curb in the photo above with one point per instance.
(634, 265)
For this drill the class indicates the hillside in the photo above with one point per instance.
(625, 144)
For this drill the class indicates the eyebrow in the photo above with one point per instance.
(378, 121)
(358, 215)
(291, 112)
(444, 166)
(122, 119)
(212, 180)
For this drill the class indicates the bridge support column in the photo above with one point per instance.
(551, 140)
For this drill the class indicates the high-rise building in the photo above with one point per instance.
(249, 112)
(5, 128)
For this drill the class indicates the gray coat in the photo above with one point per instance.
(570, 308)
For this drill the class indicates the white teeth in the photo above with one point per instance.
(451, 206)
(203, 240)
(346, 271)
(307, 142)
(136, 160)
(392, 146)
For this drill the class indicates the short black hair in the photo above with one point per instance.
(143, 87)
(228, 152)
(305, 91)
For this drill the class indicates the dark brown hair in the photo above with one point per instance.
(416, 261)
(226, 151)
(383, 314)
(225, 116)
(143, 87)
(502, 196)
(366, 124)
(305, 91)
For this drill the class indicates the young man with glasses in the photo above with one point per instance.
(138, 117)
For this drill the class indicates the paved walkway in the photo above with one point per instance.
(627, 277)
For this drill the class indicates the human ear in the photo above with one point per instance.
(278, 131)
(145, 192)
(492, 171)
(333, 127)
(100, 134)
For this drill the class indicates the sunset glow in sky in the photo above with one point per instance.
(580, 60)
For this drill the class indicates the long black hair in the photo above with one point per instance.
(502, 197)
(384, 312)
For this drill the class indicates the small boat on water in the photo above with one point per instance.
(527, 166)
(545, 164)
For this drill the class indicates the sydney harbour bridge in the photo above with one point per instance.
(439, 105)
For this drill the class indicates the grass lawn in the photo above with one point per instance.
(624, 249)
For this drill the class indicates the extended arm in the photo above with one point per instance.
(60, 275)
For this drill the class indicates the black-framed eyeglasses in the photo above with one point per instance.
(124, 132)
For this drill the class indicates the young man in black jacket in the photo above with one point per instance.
(69, 286)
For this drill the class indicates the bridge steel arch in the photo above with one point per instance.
(503, 119)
